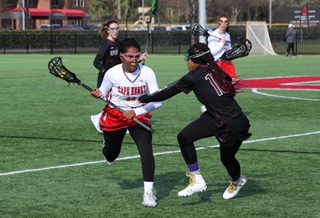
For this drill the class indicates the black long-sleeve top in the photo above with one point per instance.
(107, 56)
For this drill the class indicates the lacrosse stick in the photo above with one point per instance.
(165, 88)
(198, 30)
(57, 69)
(150, 28)
(241, 49)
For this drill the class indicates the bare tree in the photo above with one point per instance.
(118, 2)
(103, 9)
(67, 3)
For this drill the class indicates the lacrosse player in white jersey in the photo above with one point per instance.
(219, 42)
(123, 84)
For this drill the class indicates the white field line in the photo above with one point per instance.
(156, 154)
(281, 96)
(21, 61)
(9, 61)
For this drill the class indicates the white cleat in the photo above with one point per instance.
(149, 200)
(96, 122)
(197, 184)
(234, 188)
(111, 163)
(203, 108)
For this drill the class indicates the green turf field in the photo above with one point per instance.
(51, 163)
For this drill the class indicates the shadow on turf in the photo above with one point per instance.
(173, 182)
(252, 187)
(164, 183)
(72, 140)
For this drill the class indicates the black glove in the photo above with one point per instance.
(145, 98)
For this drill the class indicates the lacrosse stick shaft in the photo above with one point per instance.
(115, 106)
(150, 27)
(217, 37)
(171, 84)
(198, 29)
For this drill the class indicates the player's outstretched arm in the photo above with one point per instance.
(160, 95)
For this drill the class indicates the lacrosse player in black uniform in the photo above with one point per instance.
(223, 119)
(107, 57)
(108, 54)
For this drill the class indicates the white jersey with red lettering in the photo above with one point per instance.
(123, 89)
(217, 48)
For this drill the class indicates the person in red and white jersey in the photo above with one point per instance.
(219, 42)
(123, 84)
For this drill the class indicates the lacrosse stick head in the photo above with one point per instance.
(248, 45)
(57, 69)
(244, 41)
(198, 30)
(239, 50)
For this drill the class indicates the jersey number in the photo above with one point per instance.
(131, 98)
(214, 84)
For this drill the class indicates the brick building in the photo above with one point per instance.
(30, 14)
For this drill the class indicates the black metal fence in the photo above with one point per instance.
(160, 42)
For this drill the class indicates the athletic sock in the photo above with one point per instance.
(194, 168)
(148, 187)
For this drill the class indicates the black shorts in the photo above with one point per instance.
(230, 131)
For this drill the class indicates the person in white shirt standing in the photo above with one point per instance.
(123, 84)
(219, 41)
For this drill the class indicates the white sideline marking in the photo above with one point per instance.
(281, 96)
(21, 61)
(9, 61)
(155, 154)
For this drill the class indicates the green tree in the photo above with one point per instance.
(103, 9)
(186, 11)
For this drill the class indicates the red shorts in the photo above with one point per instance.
(229, 68)
(112, 120)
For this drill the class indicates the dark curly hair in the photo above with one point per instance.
(200, 53)
(127, 43)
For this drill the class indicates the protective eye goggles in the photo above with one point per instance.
(130, 57)
(187, 57)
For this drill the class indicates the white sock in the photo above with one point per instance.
(199, 178)
(148, 187)
(198, 172)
